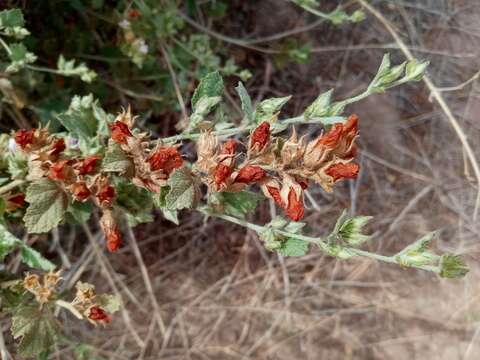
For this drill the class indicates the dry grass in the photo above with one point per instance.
(210, 291)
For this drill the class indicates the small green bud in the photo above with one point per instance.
(452, 266)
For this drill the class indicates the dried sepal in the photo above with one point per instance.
(111, 231)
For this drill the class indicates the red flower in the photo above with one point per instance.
(24, 137)
(166, 159)
(98, 314)
(134, 13)
(106, 194)
(229, 147)
(120, 132)
(275, 194)
(87, 165)
(58, 170)
(341, 137)
(18, 200)
(343, 171)
(260, 136)
(57, 147)
(294, 209)
(222, 173)
(249, 174)
(80, 191)
(114, 239)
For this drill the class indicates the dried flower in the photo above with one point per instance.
(222, 173)
(51, 279)
(87, 165)
(343, 171)
(106, 194)
(166, 159)
(59, 170)
(96, 313)
(24, 137)
(57, 147)
(85, 293)
(260, 137)
(15, 201)
(294, 209)
(229, 147)
(31, 282)
(120, 131)
(110, 229)
(250, 174)
(80, 191)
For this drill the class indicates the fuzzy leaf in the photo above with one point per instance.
(19, 57)
(240, 203)
(8, 242)
(11, 18)
(171, 215)
(183, 192)
(109, 303)
(415, 70)
(293, 247)
(269, 107)
(38, 331)
(34, 259)
(116, 160)
(48, 204)
(79, 212)
(320, 106)
(417, 253)
(247, 106)
(210, 86)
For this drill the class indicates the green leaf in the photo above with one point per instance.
(79, 212)
(48, 204)
(116, 160)
(210, 86)
(247, 106)
(184, 192)
(19, 56)
(270, 107)
(38, 331)
(171, 215)
(110, 303)
(293, 247)
(34, 259)
(452, 266)
(11, 18)
(320, 106)
(69, 68)
(238, 204)
(79, 119)
(203, 107)
(8, 242)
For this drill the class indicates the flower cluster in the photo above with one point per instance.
(79, 177)
(282, 168)
(44, 289)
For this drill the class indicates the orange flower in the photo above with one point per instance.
(80, 191)
(59, 170)
(134, 13)
(275, 194)
(87, 165)
(106, 195)
(294, 209)
(96, 313)
(249, 174)
(343, 171)
(58, 147)
(24, 137)
(340, 138)
(222, 173)
(166, 159)
(120, 132)
(260, 136)
(229, 147)
(114, 240)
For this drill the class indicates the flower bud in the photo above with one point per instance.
(96, 313)
(80, 191)
(166, 159)
(87, 165)
(260, 136)
(24, 137)
(250, 174)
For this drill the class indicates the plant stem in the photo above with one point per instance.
(324, 246)
(12, 185)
